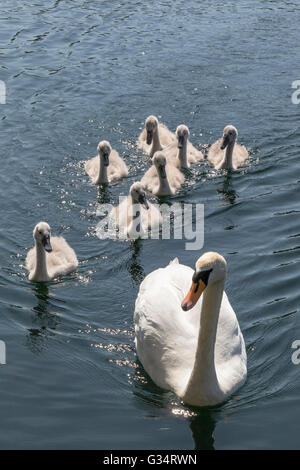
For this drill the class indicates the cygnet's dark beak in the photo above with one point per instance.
(163, 173)
(105, 159)
(180, 141)
(149, 137)
(225, 142)
(46, 243)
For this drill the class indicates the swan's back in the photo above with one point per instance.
(122, 215)
(216, 154)
(91, 166)
(163, 330)
(117, 167)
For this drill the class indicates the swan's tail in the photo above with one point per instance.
(174, 261)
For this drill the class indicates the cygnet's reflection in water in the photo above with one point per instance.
(104, 194)
(202, 421)
(134, 267)
(228, 192)
(44, 320)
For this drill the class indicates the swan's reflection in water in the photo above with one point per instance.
(202, 421)
(228, 192)
(44, 320)
(104, 194)
(134, 267)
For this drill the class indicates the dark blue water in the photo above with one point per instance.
(80, 71)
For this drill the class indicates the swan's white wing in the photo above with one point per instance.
(92, 167)
(62, 259)
(215, 153)
(166, 336)
(240, 155)
(230, 351)
(117, 167)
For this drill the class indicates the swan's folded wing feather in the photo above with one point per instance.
(62, 259)
(240, 155)
(92, 167)
(30, 262)
(117, 167)
(165, 335)
(215, 153)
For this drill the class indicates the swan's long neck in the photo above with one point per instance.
(102, 176)
(164, 186)
(227, 162)
(40, 273)
(203, 381)
(156, 145)
(182, 155)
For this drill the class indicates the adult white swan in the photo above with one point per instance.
(189, 344)
(155, 136)
(49, 257)
(106, 166)
(225, 153)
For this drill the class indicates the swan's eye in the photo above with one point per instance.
(201, 276)
(40, 232)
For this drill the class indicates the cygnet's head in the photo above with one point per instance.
(159, 161)
(210, 268)
(151, 125)
(138, 195)
(182, 133)
(104, 150)
(230, 134)
(41, 234)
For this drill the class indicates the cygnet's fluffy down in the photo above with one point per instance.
(163, 178)
(226, 153)
(50, 257)
(135, 215)
(182, 153)
(107, 166)
(155, 136)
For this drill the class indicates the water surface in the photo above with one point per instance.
(80, 71)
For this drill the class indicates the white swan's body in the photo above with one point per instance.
(182, 153)
(45, 261)
(163, 178)
(107, 166)
(135, 215)
(198, 354)
(225, 153)
(155, 136)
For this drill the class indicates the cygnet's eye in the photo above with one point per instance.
(40, 232)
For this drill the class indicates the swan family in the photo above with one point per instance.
(187, 335)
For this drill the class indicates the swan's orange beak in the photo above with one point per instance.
(193, 295)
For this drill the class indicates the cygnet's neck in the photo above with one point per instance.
(164, 187)
(102, 176)
(227, 161)
(182, 155)
(156, 145)
(40, 273)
